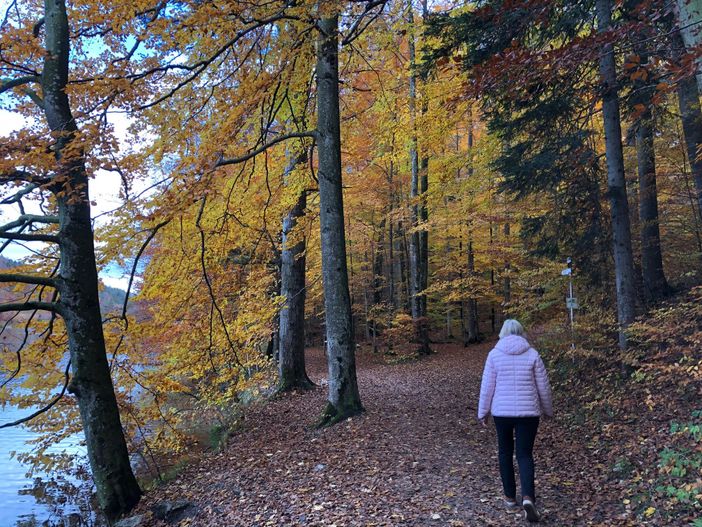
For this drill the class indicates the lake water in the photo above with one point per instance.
(42, 499)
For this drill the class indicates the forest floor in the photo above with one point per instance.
(417, 456)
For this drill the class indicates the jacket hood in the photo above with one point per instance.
(512, 345)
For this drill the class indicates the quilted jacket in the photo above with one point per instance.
(515, 382)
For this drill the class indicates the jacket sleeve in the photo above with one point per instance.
(543, 387)
(487, 388)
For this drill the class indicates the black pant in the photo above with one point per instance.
(525, 428)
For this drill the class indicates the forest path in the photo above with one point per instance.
(417, 456)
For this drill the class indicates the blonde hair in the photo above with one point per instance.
(511, 327)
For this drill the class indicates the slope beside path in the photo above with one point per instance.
(417, 456)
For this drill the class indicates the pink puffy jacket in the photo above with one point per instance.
(515, 382)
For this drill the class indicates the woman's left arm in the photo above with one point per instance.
(543, 387)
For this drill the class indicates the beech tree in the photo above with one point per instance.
(76, 285)
(344, 399)
(291, 353)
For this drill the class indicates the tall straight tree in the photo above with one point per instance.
(77, 283)
(343, 398)
(655, 283)
(616, 183)
(690, 115)
(424, 216)
(417, 241)
(291, 354)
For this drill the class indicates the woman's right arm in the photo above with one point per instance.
(487, 388)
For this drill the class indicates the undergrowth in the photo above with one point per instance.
(641, 405)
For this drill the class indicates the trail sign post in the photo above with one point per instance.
(571, 301)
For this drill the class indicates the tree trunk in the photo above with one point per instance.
(507, 280)
(391, 264)
(343, 398)
(472, 328)
(616, 183)
(655, 284)
(424, 240)
(291, 354)
(689, 15)
(424, 218)
(691, 117)
(116, 486)
(377, 279)
(416, 260)
(493, 316)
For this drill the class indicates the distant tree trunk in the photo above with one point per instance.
(655, 284)
(377, 280)
(507, 281)
(391, 250)
(343, 398)
(472, 328)
(416, 262)
(424, 218)
(352, 281)
(616, 183)
(691, 117)
(116, 486)
(493, 316)
(291, 355)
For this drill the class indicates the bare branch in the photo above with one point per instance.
(48, 238)
(136, 263)
(356, 29)
(48, 406)
(263, 148)
(19, 195)
(26, 219)
(31, 306)
(27, 279)
(213, 299)
(22, 175)
(8, 84)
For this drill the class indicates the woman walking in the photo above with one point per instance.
(516, 391)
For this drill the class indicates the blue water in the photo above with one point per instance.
(41, 499)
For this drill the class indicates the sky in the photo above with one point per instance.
(104, 191)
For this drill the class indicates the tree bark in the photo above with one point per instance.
(472, 329)
(655, 283)
(691, 117)
(689, 15)
(416, 241)
(616, 183)
(506, 280)
(343, 399)
(291, 354)
(116, 486)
